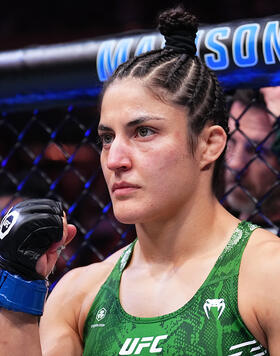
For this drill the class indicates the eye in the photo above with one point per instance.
(144, 131)
(106, 139)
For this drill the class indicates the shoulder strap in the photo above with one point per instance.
(228, 263)
(113, 280)
(126, 256)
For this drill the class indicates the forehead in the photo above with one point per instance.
(254, 122)
(130, 98)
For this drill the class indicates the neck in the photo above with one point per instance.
(191, 233)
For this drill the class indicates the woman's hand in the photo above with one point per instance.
(46, 262)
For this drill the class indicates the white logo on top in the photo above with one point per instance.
(136, 345)
(214, 303)
(101, 314)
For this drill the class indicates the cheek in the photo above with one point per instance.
(158, 160)
(167, 166)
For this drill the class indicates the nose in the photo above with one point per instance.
(119, 156)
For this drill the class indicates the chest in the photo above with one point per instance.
(145, 293)
(208, 324)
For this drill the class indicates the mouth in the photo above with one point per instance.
(124, 188)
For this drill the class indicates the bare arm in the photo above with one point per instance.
(259, 289)
(268, 310)
(19, 334)
(59, 326)
(62, 324)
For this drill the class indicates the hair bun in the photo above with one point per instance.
(179, 27)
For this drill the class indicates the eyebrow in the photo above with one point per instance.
(132, 123)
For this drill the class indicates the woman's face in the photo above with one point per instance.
(256, 177)
(146, 162)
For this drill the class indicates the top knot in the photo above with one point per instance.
(179, 28)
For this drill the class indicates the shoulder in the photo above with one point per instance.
(77, 289)
(259, 287)
(261, 260)
(81, 281)
(262, 252)
(87, 277)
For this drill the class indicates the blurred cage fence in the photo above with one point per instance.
(48, 138)
(54, 153)
(251, 188)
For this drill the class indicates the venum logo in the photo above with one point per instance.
(7, 223)
(136, 345)
(219, 304)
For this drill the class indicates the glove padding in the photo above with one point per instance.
(26, 232)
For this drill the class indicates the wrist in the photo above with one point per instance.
(20, 295)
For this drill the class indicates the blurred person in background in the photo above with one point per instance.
(253, 157)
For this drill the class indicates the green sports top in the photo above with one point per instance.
(208, 324)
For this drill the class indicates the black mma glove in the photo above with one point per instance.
(26, 233)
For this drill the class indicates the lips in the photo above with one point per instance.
(122, 186)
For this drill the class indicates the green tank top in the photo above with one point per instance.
(208, 324)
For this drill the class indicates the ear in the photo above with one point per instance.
(212, 143)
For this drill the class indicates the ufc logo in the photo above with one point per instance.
(7, 223)
(135, 346)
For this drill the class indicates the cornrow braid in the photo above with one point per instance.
(174, 78)
(146, 67)
(124, 70)
(183, 79)
(200, 88)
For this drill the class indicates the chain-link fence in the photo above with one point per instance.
(252, 167)
(54, 153)
(49, 148)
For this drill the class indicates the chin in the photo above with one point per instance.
(129, 215)
(125, 216)
(125, 219)
(127, 211)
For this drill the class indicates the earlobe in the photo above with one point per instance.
(213, 142)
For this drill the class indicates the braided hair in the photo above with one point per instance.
(180, 77)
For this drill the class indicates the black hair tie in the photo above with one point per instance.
(183, 42)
